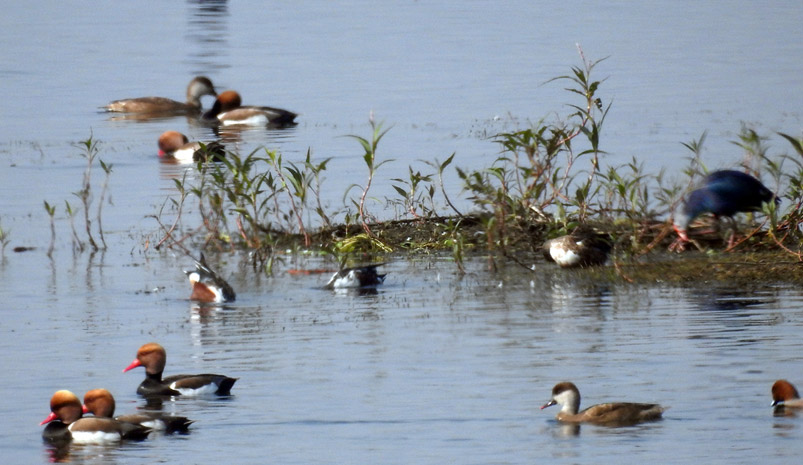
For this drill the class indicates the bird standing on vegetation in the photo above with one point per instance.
(579, 249)
(208, 286)
(721, 193)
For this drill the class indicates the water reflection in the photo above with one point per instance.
(207, 27)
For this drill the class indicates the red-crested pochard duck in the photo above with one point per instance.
(65, 424)
(100, 403)
(228, 111)
(174, 145)
(153, 357)
(785, 396)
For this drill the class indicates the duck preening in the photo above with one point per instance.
(208, 286)
(153, 357)
(721, 193)
(356, 277)
(567, 396)
(581, 248)
(161, 106)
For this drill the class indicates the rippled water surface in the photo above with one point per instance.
(434, 367)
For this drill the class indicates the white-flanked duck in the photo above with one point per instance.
(100, 403)
(785, 396)
(208, 286)
(161, 106)
(175, 146)
(356, 277)
(229, 111)
(581, 248)
(721, 193)
(610, 414)
(153, 357)
(65, 423)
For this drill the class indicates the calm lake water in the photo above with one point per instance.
(434, 367)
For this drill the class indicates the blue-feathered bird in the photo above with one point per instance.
(722, 193)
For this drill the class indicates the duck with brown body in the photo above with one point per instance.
(65, 424)
(100, 402)
(609, 414)
(153, 357)
(581, 248)
(163, 107)
(785, 399)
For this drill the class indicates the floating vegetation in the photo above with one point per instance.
(548, 180)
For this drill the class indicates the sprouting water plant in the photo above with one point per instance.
(369, 157)
(77, 243)
(4, 239)
(51, 212)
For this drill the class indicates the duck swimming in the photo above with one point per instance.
(228, 111)
(175, 146)
(609, 414)
(785, 396)
(153, 357)
(161, 106)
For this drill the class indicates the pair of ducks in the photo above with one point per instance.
(226, 111)
(66, 422)
(209, 287)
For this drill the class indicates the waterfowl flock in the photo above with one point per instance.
(721, 194)
(227, 110)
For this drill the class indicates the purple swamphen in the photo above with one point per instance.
(721, 193)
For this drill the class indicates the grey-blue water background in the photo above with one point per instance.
(434, 368)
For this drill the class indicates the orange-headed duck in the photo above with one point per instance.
(161, 106)
(153, 357)
(578, 249)
(65, 424)
(174, 146)
(784, 395)
(228, 111)
(611, 414)
(356, 277)
(100, 403)
(208, 286)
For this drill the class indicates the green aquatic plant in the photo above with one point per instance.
(51, 213)
(4, 239)
(369, 157)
